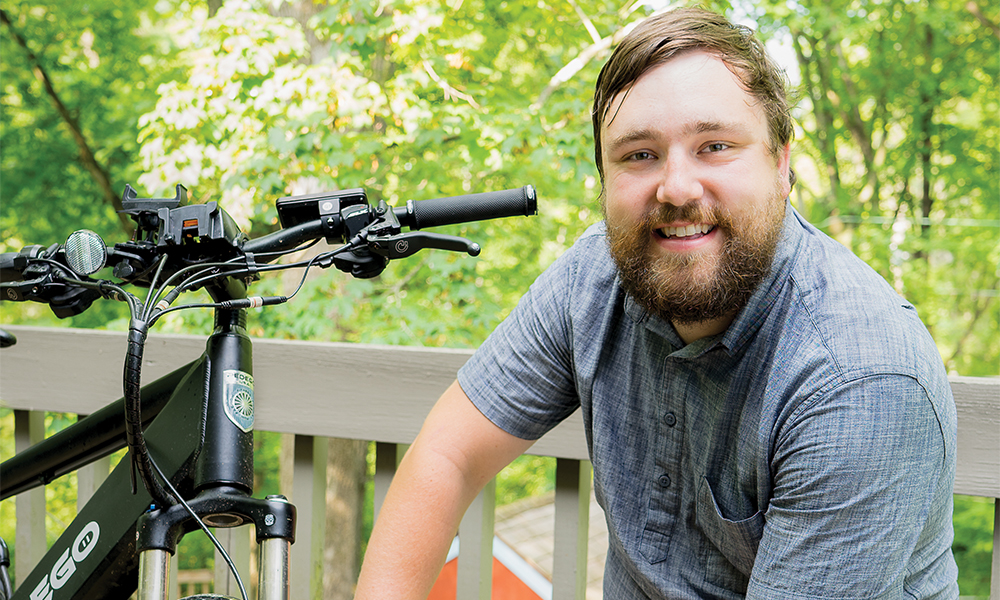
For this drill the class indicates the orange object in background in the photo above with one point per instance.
(509, 574)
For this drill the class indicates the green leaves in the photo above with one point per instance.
(103, 68)
(900, 144)
(414, 99)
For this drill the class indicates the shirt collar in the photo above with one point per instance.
(752, 316)
(749, 320)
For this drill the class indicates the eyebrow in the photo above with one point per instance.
(693, 128)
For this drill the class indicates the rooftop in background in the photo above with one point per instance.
(527, 527)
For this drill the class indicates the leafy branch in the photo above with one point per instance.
(973, 8)
(87, 158)
(601, 44)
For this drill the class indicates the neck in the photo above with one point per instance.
(692, 332)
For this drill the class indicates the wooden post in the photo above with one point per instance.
(236, 541)
(475, 550)
(995, 571)
(90, 477)
(309, 498)
(572, 520)
(29, 537)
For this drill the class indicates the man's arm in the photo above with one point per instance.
(862, 497)
(455, 455)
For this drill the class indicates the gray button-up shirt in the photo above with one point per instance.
(806, 452)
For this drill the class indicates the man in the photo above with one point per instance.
(765, 416)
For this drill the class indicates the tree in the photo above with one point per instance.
(900, 152)
(74, 78)
(413, 100)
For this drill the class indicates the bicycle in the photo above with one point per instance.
(189, 434)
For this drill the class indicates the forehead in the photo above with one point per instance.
(690, 93)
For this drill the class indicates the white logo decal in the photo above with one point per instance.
(64, 568)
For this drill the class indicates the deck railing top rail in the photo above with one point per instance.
(364, 392)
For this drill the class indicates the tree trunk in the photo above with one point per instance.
(928, 99)
(346, 472)
(851, 114)
(302, 11)
(826, 135)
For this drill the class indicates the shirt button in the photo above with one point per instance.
(670, 419)
(664, 480)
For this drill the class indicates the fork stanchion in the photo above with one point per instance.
(274, 563)
(154, 575)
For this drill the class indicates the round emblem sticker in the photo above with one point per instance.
(238, 389)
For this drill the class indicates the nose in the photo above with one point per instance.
(679, 182)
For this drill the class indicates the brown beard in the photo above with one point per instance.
(694, 288)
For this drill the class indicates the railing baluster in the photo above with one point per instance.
(90, 477)
(386, 461)
(29, 537)
(995, 571)
(309, 498)
(236, 541)
(174, 584)
(572, 519)
(475, 550)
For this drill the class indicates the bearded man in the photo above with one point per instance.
(766, 417)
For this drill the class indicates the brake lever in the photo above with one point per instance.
(407, 244)
(19, 291)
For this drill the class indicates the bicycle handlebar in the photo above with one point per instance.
(172, 238)
(415, 214)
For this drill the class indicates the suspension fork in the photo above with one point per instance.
(223, 475)
(274, 518)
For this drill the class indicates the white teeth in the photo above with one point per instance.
(688, 231)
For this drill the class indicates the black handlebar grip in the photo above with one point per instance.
(8, 271)
(470, 207)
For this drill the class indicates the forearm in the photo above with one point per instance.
(414, 529)
(457, 452)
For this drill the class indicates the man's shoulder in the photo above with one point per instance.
(844, 311)
(592, 245)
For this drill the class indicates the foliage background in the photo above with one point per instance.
(247, 101)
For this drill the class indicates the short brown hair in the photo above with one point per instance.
(661, 37)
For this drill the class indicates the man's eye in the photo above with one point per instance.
(716, 147)
(640, 156)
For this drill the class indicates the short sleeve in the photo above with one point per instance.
(521, 378)
(862, 479)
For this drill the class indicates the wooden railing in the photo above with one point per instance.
(319, 390)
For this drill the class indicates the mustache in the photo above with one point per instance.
(693, 212)
(696, 212)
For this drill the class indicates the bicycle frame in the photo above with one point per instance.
(200, 433)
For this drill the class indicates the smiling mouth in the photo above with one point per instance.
(688, 232)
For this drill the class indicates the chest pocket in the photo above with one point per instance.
(735, 540)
